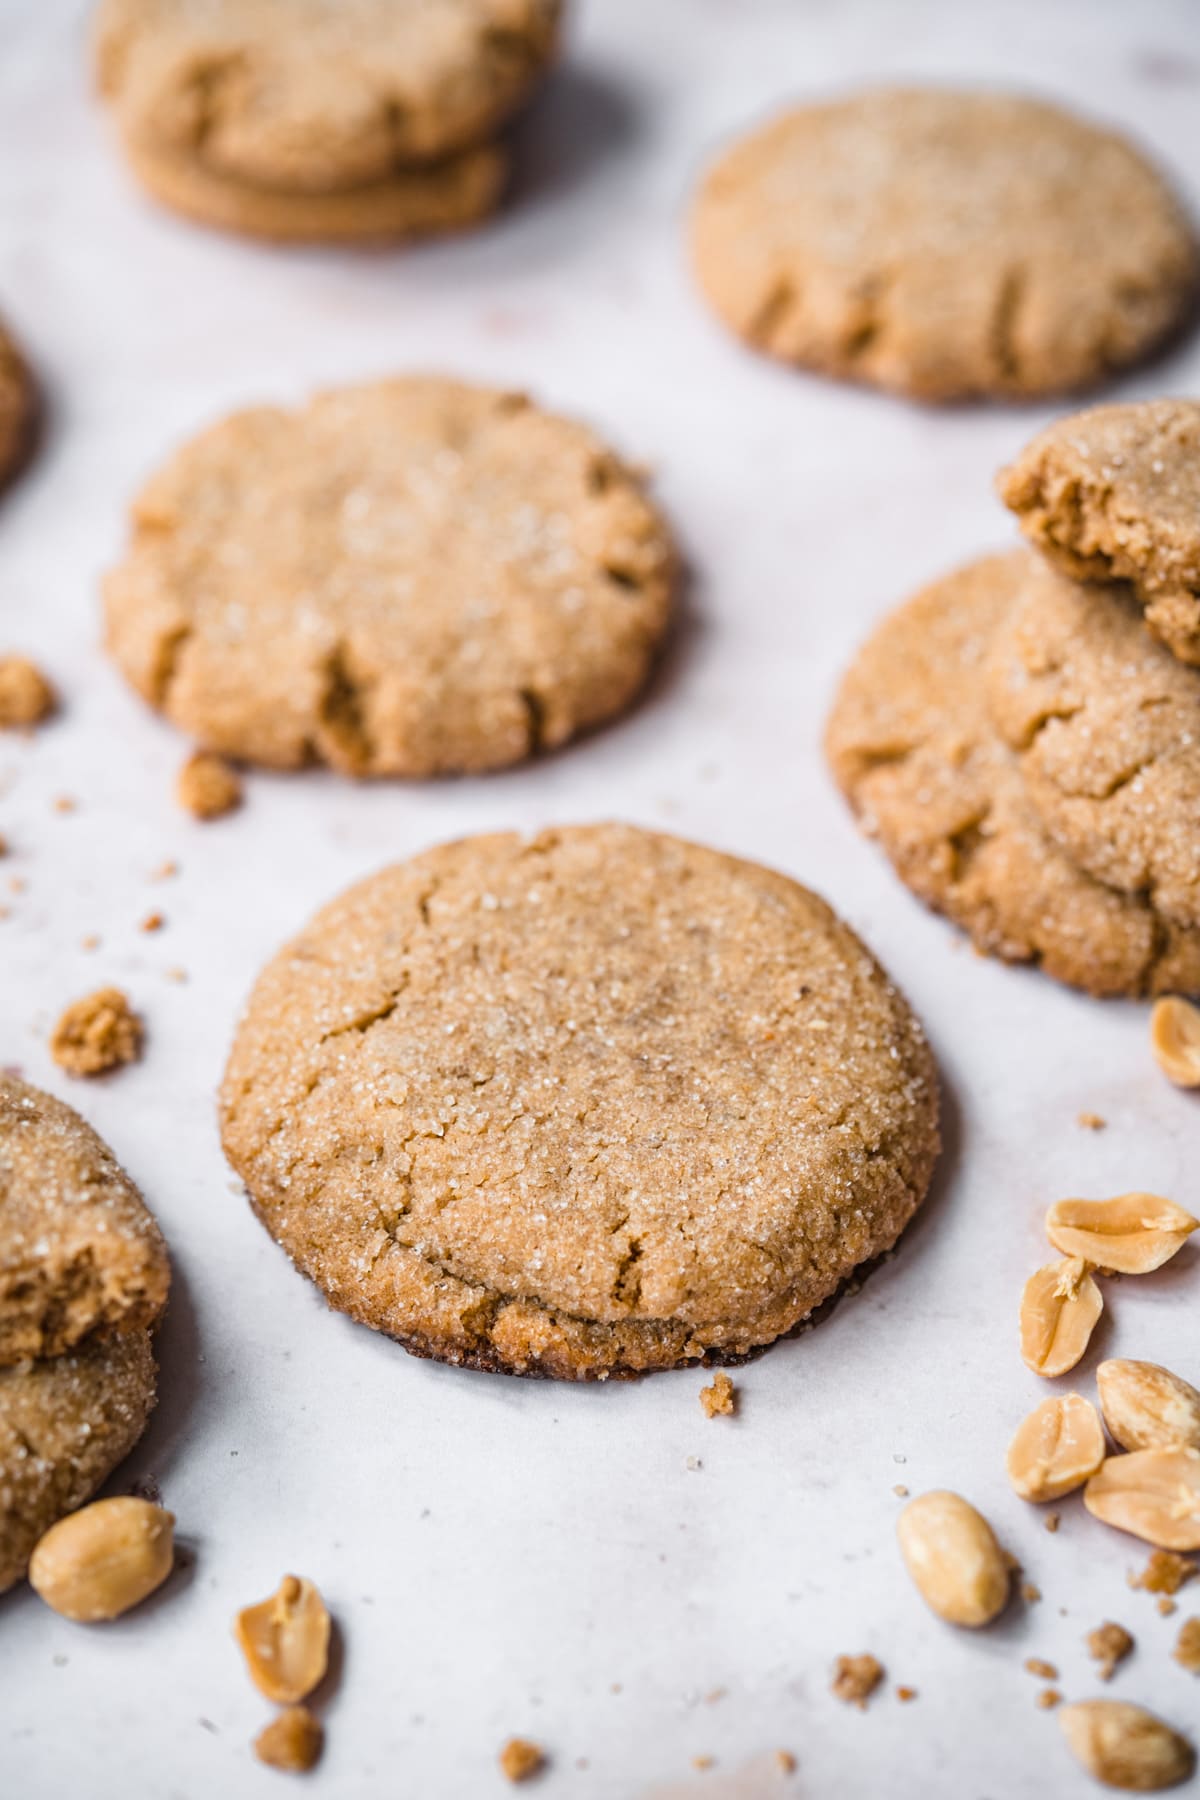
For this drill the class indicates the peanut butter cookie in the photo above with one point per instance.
(318, 96)
(79, 1252)
(913, 748)
(407, 578)
(943, 244)
(585, 1104)
(1106, 726)
(1114, 495)
(18, 408)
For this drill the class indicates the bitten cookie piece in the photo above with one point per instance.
(79, 1251)
(913, 747)
(590, 1103)
(316, 96)
(1114, 495)
(1106, 726)
(407, 578)
(943, 244)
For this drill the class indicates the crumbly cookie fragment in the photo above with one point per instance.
(719, 1396)
(412, 1101)
(1165, 1573)
(855, 1679)
(1108, 1645)
(408, 578)
(520, 1759)
(912, 747)
(1113, 494)
(26, 697)
(18, 408)
(943, 244)
(96, 1034)
(208, 786)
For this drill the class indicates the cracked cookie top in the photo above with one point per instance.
(407, 578)
(593, 1102)
(317, 95)
(1106, 726)
(914, 749)
(944, 244)
(1113, 494)
(80, 1254)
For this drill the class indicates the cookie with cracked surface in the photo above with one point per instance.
(1105, 723)
(317, 96)
(411, 203)
(18, 408)
(912, 746)
(65, 1423)
(79, 1252)
(587, 1104)
(1113, 494)
(943, 244)
(408, 578)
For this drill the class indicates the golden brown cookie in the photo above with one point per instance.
(944, 244)
(65, 1424)
(79, 1252)
(314, 96)
(1106, 726)
(407, 578)
(912, 747)
(1114, 495)
(18, 408)
(589, 1103)
(411, 203)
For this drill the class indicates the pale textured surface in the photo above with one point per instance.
(406, 578)
(1114, 495)
(78, 1250)
(944, 244)
(553, 1532)
(587, 1103)
(1105, 723)
(912, 747)
(313, 95)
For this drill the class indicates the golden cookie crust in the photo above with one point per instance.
(408, 578)
(1113, 494)
(912, 746)
(79, 1252)
(429, 201)
(943, 244)
(314, 96)
(1106, 726)
(65, 1424)
(18, 408)
(586, 1104)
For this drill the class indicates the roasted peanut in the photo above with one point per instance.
(1175, 1040)
(1056, 1448)
(99, 1562)
(1155, 1494)
(285, 1640)
(1132, 1234)
(1125, 1746)
(1060, 1305)
(292, 1742)
(1146, 1407)
(952, 1555)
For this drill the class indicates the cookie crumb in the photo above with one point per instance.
(90, 942)
(1108, 1645)
(208, 787)
(704, 1762)
(900, 1491)
(1045, 1671)
(520, 1760)
(26, 697)
(905, 1694)
(1167, 1606)
(165, 870)
(176, 974)
(1030, 1593)
(855, 1679)
(1092, 1121)
(63, 803)
(1052, 1521)
(292, 1742)
(1049, 1697)
(97, 1033)
(785, 1762)
(1165, 1573)
(153, 922)
(1187, 1646)
(719, 1396)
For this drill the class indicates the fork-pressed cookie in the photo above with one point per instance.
(588, 1103)
(407, 578)
(317, 96)
(913, 747)
(943, 243)
(1113, 494)
(1105, 724)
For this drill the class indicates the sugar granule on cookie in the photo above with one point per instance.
(208, 786)
(520, 1759)
(719, 1396)
(26, 696)
(855, 1679)
(96, 1034)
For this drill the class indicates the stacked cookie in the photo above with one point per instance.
(322, 120)
(83, 1282)
(1024, 735)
